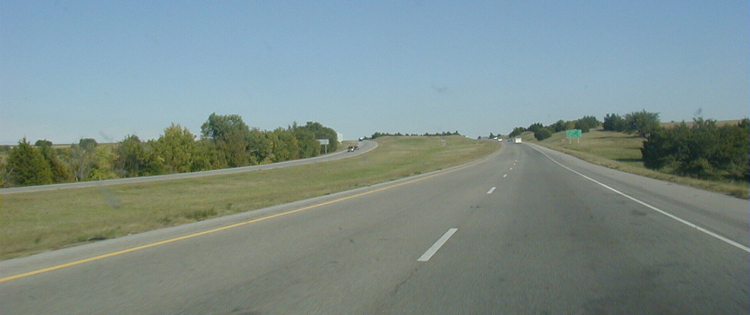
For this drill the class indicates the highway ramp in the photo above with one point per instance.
(365, 146)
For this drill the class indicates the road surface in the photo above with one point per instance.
(523, 231)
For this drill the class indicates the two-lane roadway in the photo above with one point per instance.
(523, 231)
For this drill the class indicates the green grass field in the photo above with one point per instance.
(622, 151)
(36, 222)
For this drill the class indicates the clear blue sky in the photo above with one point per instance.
(106, 69)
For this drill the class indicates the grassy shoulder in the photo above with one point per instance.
(622, 152)
(41, 221)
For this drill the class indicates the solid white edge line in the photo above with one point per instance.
(435, 247)
(491, 190)
(669, 215)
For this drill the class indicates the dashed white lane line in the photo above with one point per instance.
(435, 247)
(491, 190)
(506, 175)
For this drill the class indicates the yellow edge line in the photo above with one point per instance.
(125, 251)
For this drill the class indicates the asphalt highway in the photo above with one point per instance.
(524, 231)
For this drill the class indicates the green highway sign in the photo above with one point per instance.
(573, 133)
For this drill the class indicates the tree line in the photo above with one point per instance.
(541, 132)
(225, 141)
(427, 134)
(701, 149)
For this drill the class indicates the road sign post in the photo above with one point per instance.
(573, 133)
(324, 143)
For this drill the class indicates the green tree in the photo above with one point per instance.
(155, 164)
(130, 157)
(614, 122)
(642, 123)
(733, 152)
(5, 180)
(542, 134)
(103, 164)
(322, 132)
(701, 150)
(517, 132)
(582, 125)
(570, 125)
(231, 135)
(287, 147)
(88, 144)
(221, 127)
(535, 127)
(42, 143)
(559, 125)
(26, 166)
(177, 148)
(80, 158)
(208, 156)
(80, 162)
(307, 143)
(60, 171)
(236, 149)
(587, 123)
(261, 146)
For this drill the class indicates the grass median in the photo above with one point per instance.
(35, 222)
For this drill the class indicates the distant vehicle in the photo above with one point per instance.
(516, 139)
(356, 147)
(350, 149)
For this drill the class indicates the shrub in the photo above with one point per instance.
(535, 127)
(542, 134)
(642, 123)
(587, 122)
(702, 150)
(614, 122)
(26, 166)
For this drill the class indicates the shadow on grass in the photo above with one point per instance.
(629, 160)
(615, 138)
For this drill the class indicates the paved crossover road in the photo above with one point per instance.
(524, 231)
(365, 146)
